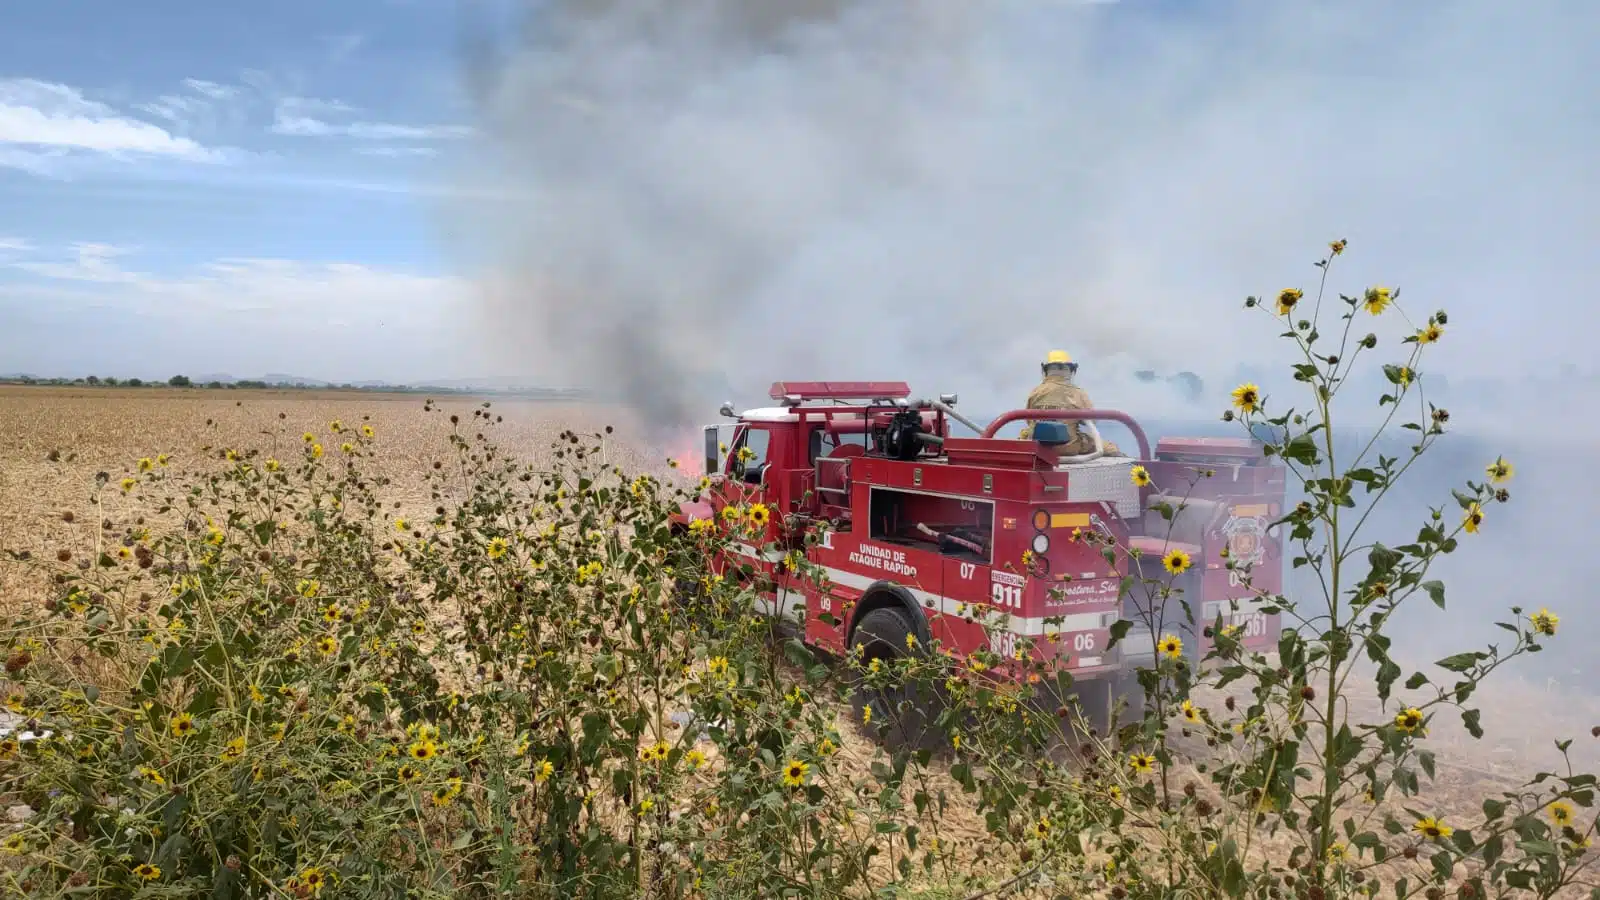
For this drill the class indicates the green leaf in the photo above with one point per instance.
(1460, 662)
(170, 848)
(1302, 449)
(1425, 759)
(204, 701)
(1345, 747)
(1493, 848)
(1493, 809)
(1435, 591)
(264, 531)
(1233, 879)
(798, 653)
(1382, 560)
(1469, 718)
(1119, 630)
(226, 885)
(1443, 863)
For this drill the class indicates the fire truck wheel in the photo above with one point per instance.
(881, 634)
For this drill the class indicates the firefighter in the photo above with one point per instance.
(1057, 391)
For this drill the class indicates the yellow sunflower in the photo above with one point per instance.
(1377, 299)
(794, 774)
(1247, 398)
(1171, 646)
(1500, 471)
(759, 515)
(1544, 622)
(1408, 720)
(1287, 298)
(1561, 813)
(1433, 828)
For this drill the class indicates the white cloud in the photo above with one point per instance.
(175, 107)
(11, 244)
(311, 117)
(91, 262)
(46, 120)
(397, 151)
(342, 321)
(210, 89)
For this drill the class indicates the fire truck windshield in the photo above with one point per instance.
(748, 455)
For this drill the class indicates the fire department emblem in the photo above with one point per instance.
(1246, 545)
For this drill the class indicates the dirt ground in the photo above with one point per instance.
(93, 430)
(90, 430)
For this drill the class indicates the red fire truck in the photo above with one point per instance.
(920, 532)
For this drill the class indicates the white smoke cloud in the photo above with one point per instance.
(941, 193)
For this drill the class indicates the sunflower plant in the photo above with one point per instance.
(1238, 750)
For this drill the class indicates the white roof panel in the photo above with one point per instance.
(769, 414)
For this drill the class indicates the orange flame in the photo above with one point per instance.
(686, 456)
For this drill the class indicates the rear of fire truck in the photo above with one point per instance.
(1212, 499)
(1215, 500)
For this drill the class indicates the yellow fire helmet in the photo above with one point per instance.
(1058, 358)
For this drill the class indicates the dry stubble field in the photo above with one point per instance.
(108, 430)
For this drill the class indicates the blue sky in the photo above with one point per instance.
(258, 100)
(183, 150)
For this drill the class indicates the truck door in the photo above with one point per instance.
(745, 469)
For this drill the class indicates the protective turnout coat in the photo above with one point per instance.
(1055, 392)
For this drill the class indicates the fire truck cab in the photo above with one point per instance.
(921, 532)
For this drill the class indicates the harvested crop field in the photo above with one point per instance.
(54, 442)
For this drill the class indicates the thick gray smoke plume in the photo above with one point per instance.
(713, 192)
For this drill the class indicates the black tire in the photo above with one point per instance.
(899, 713)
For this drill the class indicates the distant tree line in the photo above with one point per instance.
(184, 381)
